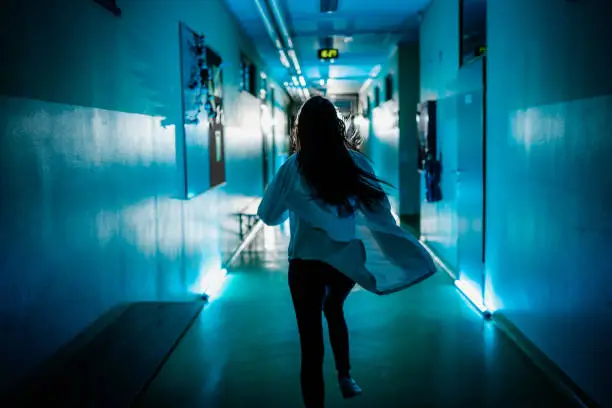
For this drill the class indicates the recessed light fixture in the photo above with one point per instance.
(328, 6)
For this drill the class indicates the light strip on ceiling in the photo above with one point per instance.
(268, 24)
(291, 54)
(278, 16)
(283, 54)
(284, 59)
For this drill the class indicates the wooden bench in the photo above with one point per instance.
(249, 225)
(110, 363)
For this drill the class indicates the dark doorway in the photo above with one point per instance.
(472, 30)
(471, 174)
(267, 134)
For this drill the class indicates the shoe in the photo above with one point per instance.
(349, 387)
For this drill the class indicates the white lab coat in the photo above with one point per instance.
(393, 259)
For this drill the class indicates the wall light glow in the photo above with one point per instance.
(269, 238)
(211, 283)
(112, 137)
(267, 122)
(467, 289)
(439, 261)
(385, 123)
(472, 294)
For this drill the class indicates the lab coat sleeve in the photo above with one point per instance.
(273, 207)
(410, 262)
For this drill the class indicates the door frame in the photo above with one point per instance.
(264, 148)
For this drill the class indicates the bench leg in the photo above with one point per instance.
(240, 227)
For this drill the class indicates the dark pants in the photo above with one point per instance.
(316, 287)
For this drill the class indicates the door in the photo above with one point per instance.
(264, 155)
(273, 132)
(216, 154)
(267, 143)
(470, 177)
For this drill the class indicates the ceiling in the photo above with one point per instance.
(364, 33)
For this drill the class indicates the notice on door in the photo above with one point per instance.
(218, 145)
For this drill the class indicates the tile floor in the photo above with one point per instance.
(423, 347)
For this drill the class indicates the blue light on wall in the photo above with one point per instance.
(104, 120)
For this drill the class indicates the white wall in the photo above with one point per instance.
(392, 142)
(88, 172)
(549, 138)
(382, 144)
(549, 180)
(439, 60)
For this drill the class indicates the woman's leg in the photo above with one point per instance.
(308, 291)
(339, 288)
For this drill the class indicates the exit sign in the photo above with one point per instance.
(328, 53)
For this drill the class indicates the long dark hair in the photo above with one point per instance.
(320, 140)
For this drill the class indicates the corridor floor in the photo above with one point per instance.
(423, 347)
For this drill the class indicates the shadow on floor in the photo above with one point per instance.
(423, 347)
(110, 363)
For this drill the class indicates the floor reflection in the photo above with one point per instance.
(423, 347)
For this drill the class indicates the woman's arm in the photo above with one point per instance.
(273, 209)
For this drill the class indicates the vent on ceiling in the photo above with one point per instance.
(329, 6)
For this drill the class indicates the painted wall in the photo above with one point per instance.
(391, 131)
(547, 190)
(88, 111)
(439, 48)
(439, 60)
(382, 144)
(281, 139)
(549, 180)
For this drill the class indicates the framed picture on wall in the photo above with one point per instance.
(200, 143)
(215, 112)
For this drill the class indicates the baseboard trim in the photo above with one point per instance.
(550, 369)
(445, 264)
(554, 373)
(450, 271)
(167, 357)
